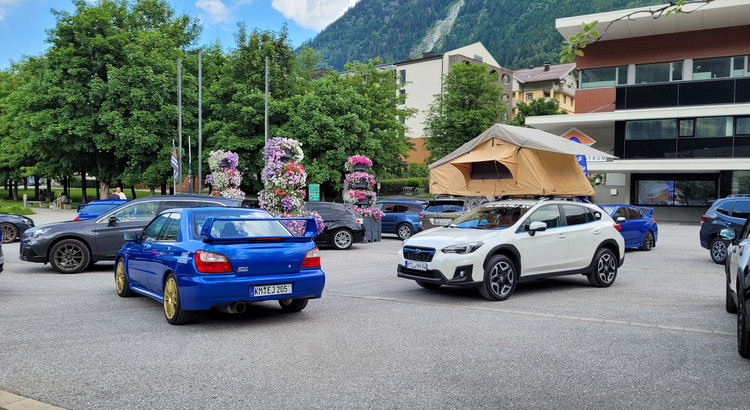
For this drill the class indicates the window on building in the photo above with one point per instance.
(740, 182)
(712, 68)
(687, 128)
(565, 99)
(739, 66)
(677, 71)
(402, 73)
(658, 72)
(546, 94)
(401, 120)
(604, 77)
(743, 126)
(714, 127)
(650, 129)
(506, 79)
(402, 96)
(690, 191)
(529, 96)
(504, 97)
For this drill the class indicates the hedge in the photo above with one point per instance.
(396, 186)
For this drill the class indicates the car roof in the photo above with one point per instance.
(217, 209)
(107, 202)
(402, 201)
(187, 197)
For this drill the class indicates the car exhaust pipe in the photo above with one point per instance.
(237, 307)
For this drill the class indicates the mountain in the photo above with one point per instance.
(517, 33)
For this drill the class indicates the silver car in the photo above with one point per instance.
(737, 275)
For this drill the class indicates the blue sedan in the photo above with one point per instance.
(637, 225)
(200, 258)
(97, 207)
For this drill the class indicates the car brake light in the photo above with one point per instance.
(653, 220)
(77, 219)
(703, 218)
(312, 259)
(211, 262)
(358, 220)
(618, 227)
(421, 216)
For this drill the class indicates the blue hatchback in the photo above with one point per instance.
(97, 207)
(200, 258)
(637, 225)
(400, 216)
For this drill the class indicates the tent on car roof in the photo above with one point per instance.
(509, 160)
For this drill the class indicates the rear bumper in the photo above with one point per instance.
(204, 291)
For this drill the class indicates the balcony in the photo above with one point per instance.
(684, 93)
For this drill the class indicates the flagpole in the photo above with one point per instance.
(179, 118)
(200, 133)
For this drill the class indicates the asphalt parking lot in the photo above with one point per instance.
(658, 337)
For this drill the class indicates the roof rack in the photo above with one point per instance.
(581, 198)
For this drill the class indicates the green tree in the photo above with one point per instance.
(469, 104)
(540, 106)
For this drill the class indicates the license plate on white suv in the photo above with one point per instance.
(270, 290)
(415, 265)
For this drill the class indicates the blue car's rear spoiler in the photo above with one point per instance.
(648, 211)
(311, 231)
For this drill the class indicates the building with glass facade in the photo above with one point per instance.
(670, 97)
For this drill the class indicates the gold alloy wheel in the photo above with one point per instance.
(120, 277)
(170, 298)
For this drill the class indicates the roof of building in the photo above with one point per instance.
(555, 72)
(641, 22)
(425, 57)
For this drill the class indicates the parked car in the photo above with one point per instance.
(72, 246)
(637, 225)
(441, 212)
(494, 246)
(13, 226)
(97, 207)
(199, 258)
(400, 216)
(737, 268)
(343, 225)
(729, 212)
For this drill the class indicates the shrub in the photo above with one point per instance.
(396, 186)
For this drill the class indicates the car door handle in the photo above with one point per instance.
(596, 232)
(562, 236)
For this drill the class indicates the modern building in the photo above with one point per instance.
(671, 98)
(422, 79)
(550, 81)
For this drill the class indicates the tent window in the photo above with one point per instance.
(490, 170)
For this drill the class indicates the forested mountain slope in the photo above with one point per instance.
(517, 33)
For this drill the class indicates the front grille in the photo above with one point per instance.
(419, 254)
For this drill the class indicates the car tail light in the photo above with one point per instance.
(653, 220)
(703, 218)
(312, 259)
(359, 221)
(618, 227)
(211, 262)
(421, 216)
(77, 219)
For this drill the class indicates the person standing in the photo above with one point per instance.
(113, 195)
(119, 193)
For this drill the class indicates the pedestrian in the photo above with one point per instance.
(119, 193)
(113, 195)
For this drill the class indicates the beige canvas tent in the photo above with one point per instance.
(508, 160)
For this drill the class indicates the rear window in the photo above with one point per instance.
(97, 209)
(235, 229)
(724, 208)
(443, 208)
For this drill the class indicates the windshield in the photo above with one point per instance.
(491, 217)
(97, 209)
(608, 208)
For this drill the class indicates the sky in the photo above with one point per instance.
(23, 23)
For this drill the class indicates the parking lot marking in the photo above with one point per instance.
(540, 314)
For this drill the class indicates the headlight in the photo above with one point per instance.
(35, 232)
(468, 247)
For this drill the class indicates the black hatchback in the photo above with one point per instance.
(72, 246)
(343, 225)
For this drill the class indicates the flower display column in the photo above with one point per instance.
(284, 182)
(358, 191)
(224, 178)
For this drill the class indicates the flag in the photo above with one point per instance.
(175, 164)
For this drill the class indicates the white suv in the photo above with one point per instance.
(495, 245)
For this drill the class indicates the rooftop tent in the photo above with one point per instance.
(508, 160)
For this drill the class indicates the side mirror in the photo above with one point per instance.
(620, 219)
(728, 234)
(537, 226)
(112, 221)
(130, 236)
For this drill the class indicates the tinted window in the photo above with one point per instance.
(741, 209)
(620, 212)
(325, 211)
(575, 215)
(724, 208)
(634, 213)
(141, 211)
(170, 231)
(97, 209)
(151, 233)
(413, 208)
(549, 214)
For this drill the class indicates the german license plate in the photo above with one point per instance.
(441, 221)
(415, 265)
(270, 290)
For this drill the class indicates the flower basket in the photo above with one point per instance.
(363, 201)
(359, 185)
(373, 229)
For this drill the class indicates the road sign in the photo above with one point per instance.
(314, 190)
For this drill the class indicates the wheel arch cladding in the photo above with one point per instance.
(507, 250)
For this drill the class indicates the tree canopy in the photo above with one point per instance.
(540, 106)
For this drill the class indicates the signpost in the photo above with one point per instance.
(314, 190)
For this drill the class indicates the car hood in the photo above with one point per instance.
(57, 226)
(441, 237)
